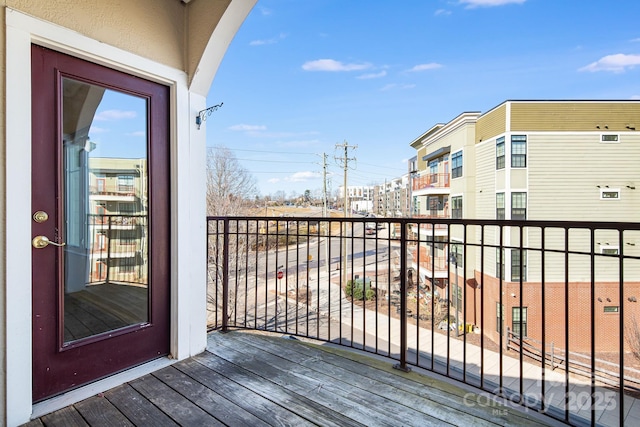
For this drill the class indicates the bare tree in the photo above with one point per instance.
(231, 189)
(633, 336)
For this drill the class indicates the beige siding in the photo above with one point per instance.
(491, 124)
(518, 179)
(422, 165)
(501, 176)
(485, 181)
(485, 202)
(565, 170)
(574, 116)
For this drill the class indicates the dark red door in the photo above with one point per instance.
(100, 227)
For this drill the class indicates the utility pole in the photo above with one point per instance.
(324, 185)
(325, 214)
(345, 163)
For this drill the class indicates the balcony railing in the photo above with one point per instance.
(377, 292)
(118, 249)
(434, 180)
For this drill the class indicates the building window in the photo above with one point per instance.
(126, 208)
(456, 255)
(456, 165)
(499, 317)
(519, 206)
(433, 172)
(499, 205)
(456, 207)
(518, 151)
(499, 263)
(519, 321)
(125, 183)
(516, 256)
(500, 153)
(611, 309)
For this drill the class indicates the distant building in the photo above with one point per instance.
(532, 160)
(117, 220)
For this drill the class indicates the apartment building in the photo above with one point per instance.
(393, 198)
(117, 220)
(360, 197)
(535, 160)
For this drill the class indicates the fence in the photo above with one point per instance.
(573, 283)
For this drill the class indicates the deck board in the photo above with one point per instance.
(99, 411)
(249, 378)
(359, 404)
(137, 408)
(266, 403)
(216, 405)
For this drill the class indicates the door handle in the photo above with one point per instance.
(40, 242)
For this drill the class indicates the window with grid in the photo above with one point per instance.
(125, 183)
(500, 153)
(499, 263)
(433, 171)
(519, 321)
(519, 206)
(518, 151)
(456, 207)
(456, 255)
(516, 256)
(456, 165)
(499, 205)
(499, 317)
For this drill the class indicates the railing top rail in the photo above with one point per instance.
(587, 225)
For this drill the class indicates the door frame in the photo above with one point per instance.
(100, 355)
(188, 225)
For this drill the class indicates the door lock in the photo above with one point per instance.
(40, 242)
(40, 216)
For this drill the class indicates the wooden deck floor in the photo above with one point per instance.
(254, 379)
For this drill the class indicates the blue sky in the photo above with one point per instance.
(304, 75)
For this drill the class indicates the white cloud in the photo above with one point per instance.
(273, 180)
(489, 3)
(617, 63)
(636, 40)
(302, 176)
(265, 12)
(110, 115)
(442, 12)
(247, 128)
(95, 129)
(634, 97)
(373, 75)
(424, 67)
(333, 65)
(273, 40)
(397, 86)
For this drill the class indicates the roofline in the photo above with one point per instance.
(560, 101)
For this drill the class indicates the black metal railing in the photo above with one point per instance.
(447, 295)
(118, 248)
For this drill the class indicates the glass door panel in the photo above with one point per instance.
(105, 208)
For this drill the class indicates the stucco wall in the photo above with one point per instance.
(166, 31)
